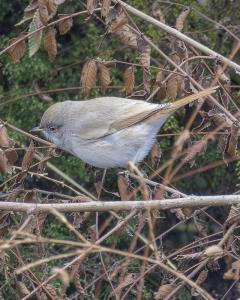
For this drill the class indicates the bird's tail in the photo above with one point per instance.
(175, 105)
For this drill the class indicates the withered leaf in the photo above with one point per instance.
(91, 5)
(145, 52)
(104, 77)
(21, 289)
(172, 87)
(27, 159)
(200, 280)
(52, 8)
(156, 154)
(4, 140)
(88, 76)
(182, 18)
(178, 145)
(129, 79)
(232, 141)
(105, 8)
(34, 40)
(4, 166)
(164, 291)
(146, 78)
(119, 22)
(11, 155)
(159, 78)
(50, 43)
(127, 36)
(125, 190)
(43, 11)
(65, 25)
(8, 155)
(17, 51)
(197, 149)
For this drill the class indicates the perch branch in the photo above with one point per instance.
(190, 201)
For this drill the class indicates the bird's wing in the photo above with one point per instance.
(106, 115)
(103, 116)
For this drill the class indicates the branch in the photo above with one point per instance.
(190, 201)
(179, 35)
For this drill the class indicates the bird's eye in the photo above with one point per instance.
(52, 128)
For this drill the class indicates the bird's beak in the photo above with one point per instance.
(36, 129)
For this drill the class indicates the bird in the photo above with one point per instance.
(108, 132)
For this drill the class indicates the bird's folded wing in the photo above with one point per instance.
(114, 114)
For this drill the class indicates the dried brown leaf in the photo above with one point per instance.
(201, 226)
(231, 146)
(127, 36)
(221, 74)
(4, 166)
(127, 280)
(77, 283)
(43, 11)
(34, 40)
(104, 77)
(88, 76)
(4, 140)
(17, 51)
(21, 289)
(233, 215)
(125, 190)
(160, 78)
(197, 149)
(50, 43)
(182, 18)
(91, 5)
(119, 22)
(200, 280)
(145, 52)
(202, 277)
(146, 79)
(178, 145)
(11, 155)
(164, 291)
(155, 154)
(27, 159)
(172, 87)
(105, 8)
(129, 79)
(52, 7)
(52, 291)
(65, 25)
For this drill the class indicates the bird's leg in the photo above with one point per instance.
(98, 198)
(102, 183)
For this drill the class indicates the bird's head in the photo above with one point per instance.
(53, 123)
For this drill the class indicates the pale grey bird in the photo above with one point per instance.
(108, 132)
